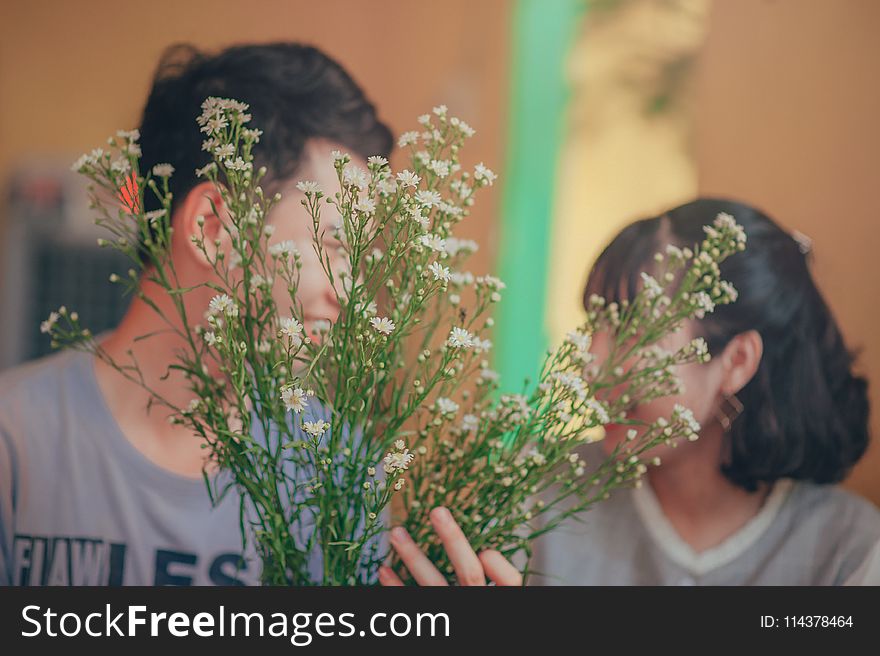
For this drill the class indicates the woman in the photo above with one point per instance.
(783, 416)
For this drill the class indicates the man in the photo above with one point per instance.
(95, 490)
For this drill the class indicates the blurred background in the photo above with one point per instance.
(594, 112)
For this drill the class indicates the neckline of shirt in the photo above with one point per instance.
(158, 476)
(699, 563)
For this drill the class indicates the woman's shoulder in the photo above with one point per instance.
(833, 505)
(839, 527)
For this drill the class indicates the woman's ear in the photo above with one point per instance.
(197, 218)
(740, 360)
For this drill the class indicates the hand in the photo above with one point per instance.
(470, 568)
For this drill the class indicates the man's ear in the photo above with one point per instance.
(197, 218)
(740, 360)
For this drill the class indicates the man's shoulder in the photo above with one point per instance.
(37, 391)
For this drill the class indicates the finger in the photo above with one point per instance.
(418, 564)
(468, 568)
(388, 578)
(500, 570)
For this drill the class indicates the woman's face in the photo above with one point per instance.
(701, 383)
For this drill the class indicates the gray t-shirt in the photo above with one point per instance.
(80, 505)
(805, 534)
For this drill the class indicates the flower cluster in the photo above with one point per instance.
(313, 419)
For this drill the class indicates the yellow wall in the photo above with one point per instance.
(71, 73)
(787, 118)
(619, 162)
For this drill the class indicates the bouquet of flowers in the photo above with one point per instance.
(321, 427)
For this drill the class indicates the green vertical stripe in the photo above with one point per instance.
(543, 32)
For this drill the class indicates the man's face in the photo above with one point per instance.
(292, 222)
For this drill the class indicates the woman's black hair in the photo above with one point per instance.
(806, 413)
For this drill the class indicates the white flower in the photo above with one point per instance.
(252, 134)
(397, 461)
(408, 179)
(205, 170)
(81, 163)
(488, 375)
(377, 161)
(440, 110)
(454, 246)
(129, 135)
(460, 338)
(651, 286)
(416, 214)
(580, 340)
(257, 281)
(484, 175)
(287, 248)
(700, 348)
(91, 159)
(466, 129)
(440, 272)
(470, 423)
(234, 260)
(537, 458)
(440, 167)
(321, 326)
(687, 416)
(572, 382)
(674, 252)
(215, 124)
(703, 304)
(315, 428)
(428, 198)
(153, 215)
(446, 406)
(461, 278)
(408, 138)
(491, 282)
(49, 323)
(338, 157)
(222, 304)
(292, 329)
(729, 290)
(482, 345)
(382, 325)
(366, 206)
(163, 170)
(294, 399)
(386, 186)
(238, 164)
(599, 410)
(434, 242)
(308, 186)
(355, 176)
(225, 151)
(121, 165)
(211, 338)
(424, 119)
(208, 145)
